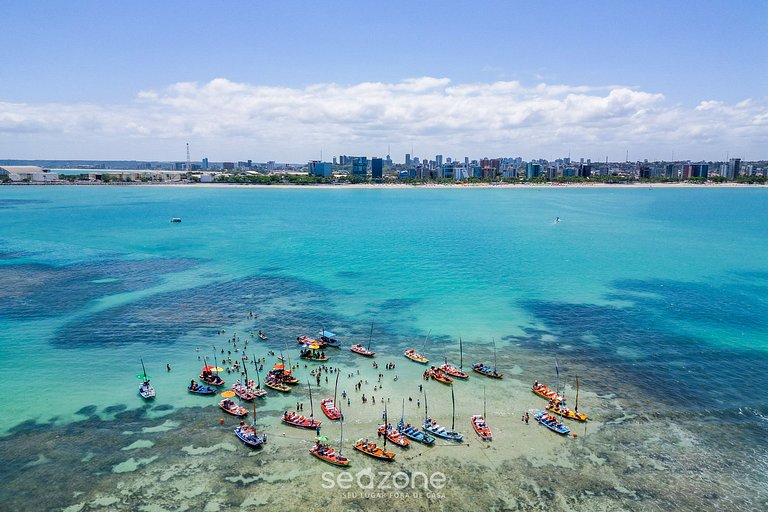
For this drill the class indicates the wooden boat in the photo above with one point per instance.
(329, 409)
(329, 455)
(439, 376)
(482, 429)
(262, 335)
(486, 370)
(313, 354)
(551, 423)
(432, 427)
(544, 392)
(308, 340)
(359, 349)
(393, 435)
(372, 450)
(211, 379)
(232, 408)
(242, 391)
(415, 356)
(329, 338)
(146, 390)
(561, 409)
(273, 383)
(453, 371)
(295, 420)
(411, 432)
(248, 435)
(199, 389)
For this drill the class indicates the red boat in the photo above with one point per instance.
(359, 349)
(232, 408)
(544, 392)
(393, 435)
(242, 391)
(329, 455)
(482, 429)
(453, 371)
(439, 376)
(330, 409)
(293, 419)
(303, 339)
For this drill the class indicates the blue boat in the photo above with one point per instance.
(412, 433)
(552, 424)
(329, 338)
(199, 389)
(248, 435)
(432, 427)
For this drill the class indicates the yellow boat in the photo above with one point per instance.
(415, 356)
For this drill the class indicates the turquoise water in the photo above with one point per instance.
(658, 297)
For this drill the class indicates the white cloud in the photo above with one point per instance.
(228, 120)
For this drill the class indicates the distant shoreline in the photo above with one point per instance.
(388, 186)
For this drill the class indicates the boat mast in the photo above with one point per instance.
(425, 342)
(485, 417)
(577, 394)
(311, 409)
(335, 388)
(386, 424)
(494, 356)
(143, 369)
(557, 371)
(453, 411)
(402, 412)
(258, 379)
(370, 337)
(341, 425)
(215, 362)
(461, 355)
(426, 407)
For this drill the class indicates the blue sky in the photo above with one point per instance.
(116, 64)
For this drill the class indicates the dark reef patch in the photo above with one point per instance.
(34, 290)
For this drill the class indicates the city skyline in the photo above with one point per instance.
(278, 83)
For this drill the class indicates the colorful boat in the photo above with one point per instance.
(547, 394)
(432, 427)
(328, 454)
(551, 423)
(232, 408)
(359, 349)
(329, 338)
(415, 356)
(199, 389)
(308, 340)
(453, 371)
(411, 432)
(300, 421)
(482, 429)
(248, 435)
(486, 370)
(243, 392)
(393, 435)
(313, 353)
(561, 409)
(439, 376)
(372, 450)
(329, 409)
(273, 383)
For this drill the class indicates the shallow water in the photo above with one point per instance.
(655, 299)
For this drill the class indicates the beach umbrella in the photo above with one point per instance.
(228, 394)
(212, 369)
(314, 346)
(322, 439)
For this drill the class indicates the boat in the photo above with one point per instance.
(296, 420)
(479, 424)
(411, 432)
(329, 338)
(546, 393)
(273, 383)
(415, 356)
(262, 335)
(232, 408)
(242, 391)
(313, 352)
(176, 219)
(560, 408)
(439, 376)
(248, 435)
(146, 390)
(457, 373)
(328, 405)
(210, 374)
(328, 454)
(279, 373)
(308, 340)
(359, 349)
(256, 390)
(372, 450)
(394, 435)
(486, 370)
(199, 389)
(551, 423)
(432, 427)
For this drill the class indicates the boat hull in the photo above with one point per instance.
(254, 441)
(335, 460)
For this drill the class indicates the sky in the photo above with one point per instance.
(289, 81)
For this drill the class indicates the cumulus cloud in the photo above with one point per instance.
(229, 120)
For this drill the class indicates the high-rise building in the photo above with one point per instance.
(734, 168)
(271, 165)
(533, 170)
(377, 168)
(317, 168)
(695, 170)
(407, 159)
(438, 160)
(359, 166)
(205, 164)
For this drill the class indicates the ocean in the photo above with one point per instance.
(655, 298)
